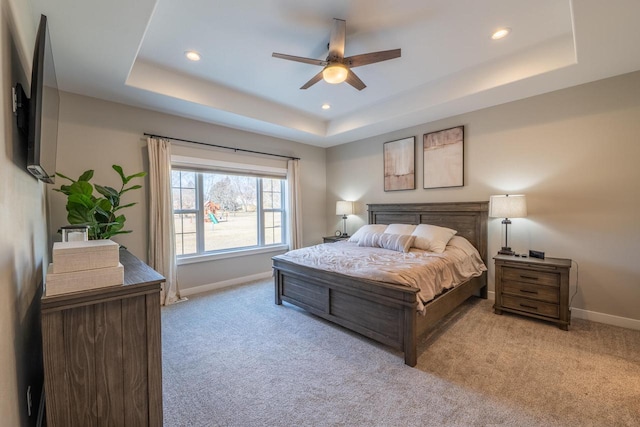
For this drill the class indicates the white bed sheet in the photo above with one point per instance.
(430, 272)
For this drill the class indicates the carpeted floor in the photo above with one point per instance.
(234, 358)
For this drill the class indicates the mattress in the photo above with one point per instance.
(430, 272)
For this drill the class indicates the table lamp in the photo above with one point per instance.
(507, 206)
(344, 208)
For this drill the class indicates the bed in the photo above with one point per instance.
(382, 311)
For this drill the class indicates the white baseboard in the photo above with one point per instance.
(609, 319)
(594, 316)
(224, 284)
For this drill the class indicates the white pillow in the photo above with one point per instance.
(432, 238)
(369, 228)
(464, 244)
(400, 229)
(394, 242)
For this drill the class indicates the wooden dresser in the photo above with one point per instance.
(533, 287)
(102, 354)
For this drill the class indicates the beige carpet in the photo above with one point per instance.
(234, 358)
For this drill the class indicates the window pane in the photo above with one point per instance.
(187, 179)
(185, 228)
(175, 196)
(271, 195)
(277, 201)
(188, 198)
(183, 191)
(272, 228)
(175, 178)
(230, 217)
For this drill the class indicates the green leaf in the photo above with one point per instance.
(80, 215)
(107, 191)
(78, 199)
(136, 175)
(105, 205)
(128, 205)
(86, 175)
(65, 177)
(63, 189)
(80, 187)
(120, 172)
(133, 187)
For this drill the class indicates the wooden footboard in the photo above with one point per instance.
(383, 312)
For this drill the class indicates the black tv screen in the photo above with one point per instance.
(43, 109)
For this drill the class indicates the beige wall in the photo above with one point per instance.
(573, 152)
(95, 134)
(23, 251)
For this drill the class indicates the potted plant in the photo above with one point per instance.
(102, 214)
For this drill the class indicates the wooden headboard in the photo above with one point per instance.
(468, 218)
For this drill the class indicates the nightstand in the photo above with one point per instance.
(333, 239)
(533, 287)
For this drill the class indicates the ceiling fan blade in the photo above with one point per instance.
(315, 79)
(373, 57)
(300, 59)
(355, 81)
(336, 43)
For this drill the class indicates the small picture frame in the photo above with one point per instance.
(443, 154)
(400, 164)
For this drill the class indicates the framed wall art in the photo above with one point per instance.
(443, 154)
(400, 164)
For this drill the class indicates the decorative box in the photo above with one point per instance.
(76, 281)
(84, 255)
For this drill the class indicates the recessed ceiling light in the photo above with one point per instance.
(192, 55)
(500, 33)
(326, 106)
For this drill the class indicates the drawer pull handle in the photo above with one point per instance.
(528, 306)
(528, 291)
(528, 277)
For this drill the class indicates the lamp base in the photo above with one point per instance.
(506, 251)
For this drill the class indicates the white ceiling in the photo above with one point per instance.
(133, 52)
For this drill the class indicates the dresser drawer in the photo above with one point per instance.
(537, 292)
(530, 306)
(530, 276)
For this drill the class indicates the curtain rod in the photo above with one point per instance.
(222, 146)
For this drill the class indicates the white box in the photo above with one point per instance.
(75, 281)
(84, 255)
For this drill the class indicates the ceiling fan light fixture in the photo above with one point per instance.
(335, 73)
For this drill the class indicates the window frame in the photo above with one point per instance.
(203, 255)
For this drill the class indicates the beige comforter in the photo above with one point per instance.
(430, 272)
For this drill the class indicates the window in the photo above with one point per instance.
(219, 212)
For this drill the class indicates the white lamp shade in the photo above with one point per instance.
(508, 206)
(344, 208)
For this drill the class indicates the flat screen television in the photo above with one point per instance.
(38, 116)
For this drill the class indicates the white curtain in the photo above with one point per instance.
(162, 257)
(295, 205)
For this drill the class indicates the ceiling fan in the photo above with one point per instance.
(337, 68)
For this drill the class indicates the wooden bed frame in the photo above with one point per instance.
(382, 311)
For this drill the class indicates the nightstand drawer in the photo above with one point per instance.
(531, 276)
(540, 293)
(530, 306)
